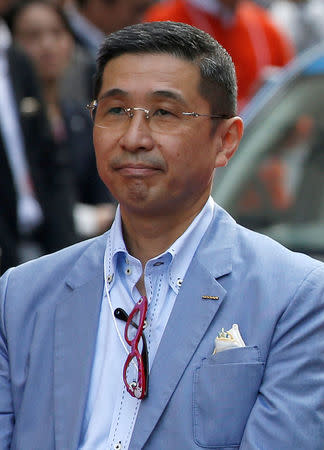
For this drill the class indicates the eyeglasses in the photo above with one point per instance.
(107, 113)
(138, 387)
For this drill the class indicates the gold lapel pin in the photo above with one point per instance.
(209, 297)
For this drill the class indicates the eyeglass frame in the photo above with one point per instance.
(137, 389)
(91, 107)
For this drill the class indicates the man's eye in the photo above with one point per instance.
(163, 112)
(116, 110)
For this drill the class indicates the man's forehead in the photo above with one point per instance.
(153, 77)
(151, 95)
(147, 55)
(151, 68)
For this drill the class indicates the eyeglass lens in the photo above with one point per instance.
(161, 117)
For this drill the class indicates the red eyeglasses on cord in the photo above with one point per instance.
(137, 388)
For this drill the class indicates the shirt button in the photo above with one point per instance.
(179, 282)
(128, 271)
(110, 278)
(118, 446)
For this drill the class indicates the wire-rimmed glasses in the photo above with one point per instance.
(110, 114)
(138, 387)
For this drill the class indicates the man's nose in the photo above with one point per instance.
(137, 135)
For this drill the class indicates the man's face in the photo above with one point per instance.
(149, 172)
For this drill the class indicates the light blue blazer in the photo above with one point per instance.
(268, 395)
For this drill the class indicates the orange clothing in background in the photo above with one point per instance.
(251, 38)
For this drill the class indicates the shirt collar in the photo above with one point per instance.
(115, 243)
(178, 255)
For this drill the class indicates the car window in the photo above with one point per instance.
(275, 182)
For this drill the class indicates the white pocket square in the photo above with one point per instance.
(228, 339)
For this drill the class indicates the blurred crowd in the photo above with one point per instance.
(50, 193)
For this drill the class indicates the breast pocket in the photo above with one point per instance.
(224, 391)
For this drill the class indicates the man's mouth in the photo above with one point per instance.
(139, 169)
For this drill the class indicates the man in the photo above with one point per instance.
(92, 19)
(35, 189)
(245, 29)
(190, 283)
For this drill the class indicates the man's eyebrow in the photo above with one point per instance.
(112, 93)
(170, 95)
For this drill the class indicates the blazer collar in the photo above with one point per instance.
(197, 303)
(89, 265)
(214, 251)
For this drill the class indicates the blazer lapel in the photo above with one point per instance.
(191, 316)
(76, 326)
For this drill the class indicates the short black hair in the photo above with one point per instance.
(218, 79)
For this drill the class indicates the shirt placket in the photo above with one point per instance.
(125, 414)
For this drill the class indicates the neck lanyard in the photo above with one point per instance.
(111, 308)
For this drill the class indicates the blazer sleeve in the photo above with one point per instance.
(6, 405)
(289, 411)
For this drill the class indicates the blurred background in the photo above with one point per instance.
(50, 193)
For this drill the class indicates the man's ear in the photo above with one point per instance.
(227, 139)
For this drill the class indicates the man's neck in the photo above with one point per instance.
(147, 237)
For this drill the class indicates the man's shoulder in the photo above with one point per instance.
(260, 261)
(86, 256)
(249, 250)
(36, 289)
(252, 243)
(251, 265)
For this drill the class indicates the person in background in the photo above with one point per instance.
(245, 29)
(35, 187)
(91, 20)
(178, 328)
(41, 28)
(302, 20)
